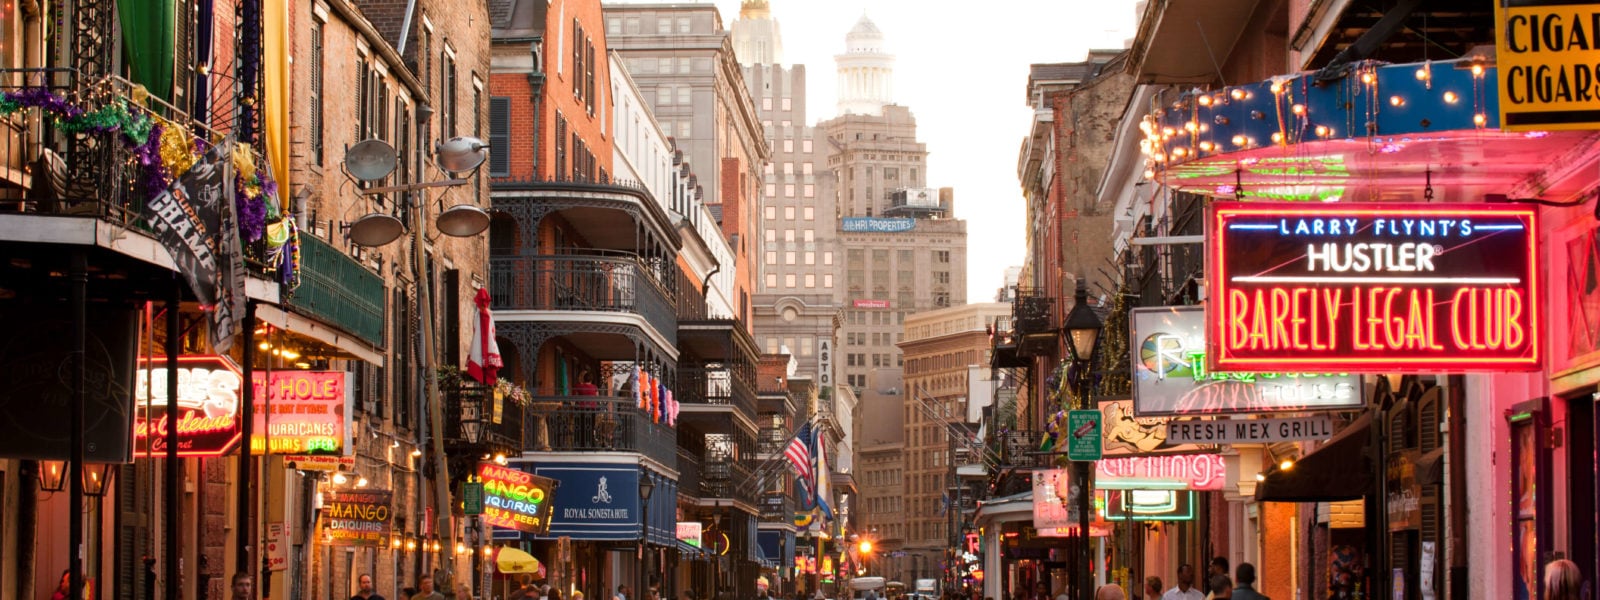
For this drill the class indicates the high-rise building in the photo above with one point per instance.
(946, 357)
(682, 59)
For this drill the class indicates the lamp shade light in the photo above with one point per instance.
(646, 486)
(462, 220)
(370, 160)
(97, 478)
(461, 154)
(376, 229)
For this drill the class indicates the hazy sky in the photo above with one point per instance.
(964, 74)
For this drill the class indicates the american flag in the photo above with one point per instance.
(799, 453)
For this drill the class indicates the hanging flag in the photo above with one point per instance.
(483, 359)
(823, 490)
(799, 452)
(194, 220)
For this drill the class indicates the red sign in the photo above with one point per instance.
(871, 304)
(1372, 288)
(307, 410)
(208, 406)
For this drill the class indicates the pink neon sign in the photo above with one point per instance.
(1187, 471)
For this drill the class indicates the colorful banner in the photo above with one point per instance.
(209, 394)
(516, 499)
(194, 220)
(1373, 287)
(358, 517)
(308, 412)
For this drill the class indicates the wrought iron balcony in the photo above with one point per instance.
(1031, 312)
(573, 282)
(769, 441)
(98, 148)
(776, 507)
(479, 420)
(1016, 448)
(726, 478)
(597, 424)
(718, 384)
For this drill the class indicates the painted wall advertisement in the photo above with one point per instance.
(1170, 375)
(358, 517)
(307, 410)
(209, 393)
(1373, 287)
(516, 499)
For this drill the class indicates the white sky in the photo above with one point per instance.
(964, 74)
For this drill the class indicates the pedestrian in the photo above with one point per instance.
(1218, 566)
(463, 591)
(1221, 588)
(1110, 591)
(365, 589)
(63, 587)
(552, 592)
(1063, 595)
(1562, 580)
(1041, 591)
(243, 587)
(1185, 589)
(1152, 588)
(1245, 578)
(425, 589)
(622, 592)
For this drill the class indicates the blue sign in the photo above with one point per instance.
(877, 224)
(595, 501)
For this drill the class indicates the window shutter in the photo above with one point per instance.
(499, 137)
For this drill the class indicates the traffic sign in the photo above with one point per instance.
(1083, 435)
(472, 498)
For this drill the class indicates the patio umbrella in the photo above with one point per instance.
(512, 560)
(483, 360)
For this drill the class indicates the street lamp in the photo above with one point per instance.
(371, 161)
(646, 486)
(1082, 335)
(97, 479)
(52, 475)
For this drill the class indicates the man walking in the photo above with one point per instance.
(425, 589)
(1246, 583)
(1185, 589)
(622, 592)
(365, 590)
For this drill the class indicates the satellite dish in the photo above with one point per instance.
(462, 220)
(375, 229)
(370, 160)
(461, 154)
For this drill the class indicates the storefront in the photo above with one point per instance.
(596, 517)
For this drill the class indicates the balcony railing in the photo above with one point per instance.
(776, 507)
(770, 440)
(717, 384)
(479, 421)
(1016, 448)
(597, 424)
(582, 283)
(726, 478)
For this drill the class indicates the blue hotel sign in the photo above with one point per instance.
(876, 224)
(596, 501)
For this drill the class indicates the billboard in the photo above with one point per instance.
(308, 410)
(516, 499)
(921, 197)
(358, 517)
(1170, 375)
(876, 224)
(1372, 287)
(209, 392)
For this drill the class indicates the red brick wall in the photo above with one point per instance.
(1274, 574)
(735, 216)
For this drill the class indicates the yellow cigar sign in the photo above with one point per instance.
(1548, 58)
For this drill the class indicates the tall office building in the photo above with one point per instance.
(796, 305)
(946, 387)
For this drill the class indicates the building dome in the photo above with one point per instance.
(866, 70)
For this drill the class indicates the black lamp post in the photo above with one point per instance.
(1082, 335)
(646, 486)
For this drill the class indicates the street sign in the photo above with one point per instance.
(472, 498)
(1083, 435)
(1250, 431)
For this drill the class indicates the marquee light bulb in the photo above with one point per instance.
(339, 479)
(1322, 131)
(1451, 98)
(1477, 70)
(1237, 94)
(1298, 109)
(1205, 146)
(1238, 140)
(1479, 119)
(1368, 78)
(1204, 100)
(500, 459)
(1396, 101)
(1190, 127)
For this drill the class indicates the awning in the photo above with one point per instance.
(1338, 470)
(339, 341)
(690, 551)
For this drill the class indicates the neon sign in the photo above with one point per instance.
(1170, 375)
(1180, 472)
(358, 518)
(307, 412)
(691, 533)
(516, 499)
(208, 404)
(1148, 505)
(1372, 288)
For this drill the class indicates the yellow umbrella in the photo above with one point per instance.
(512, 560)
